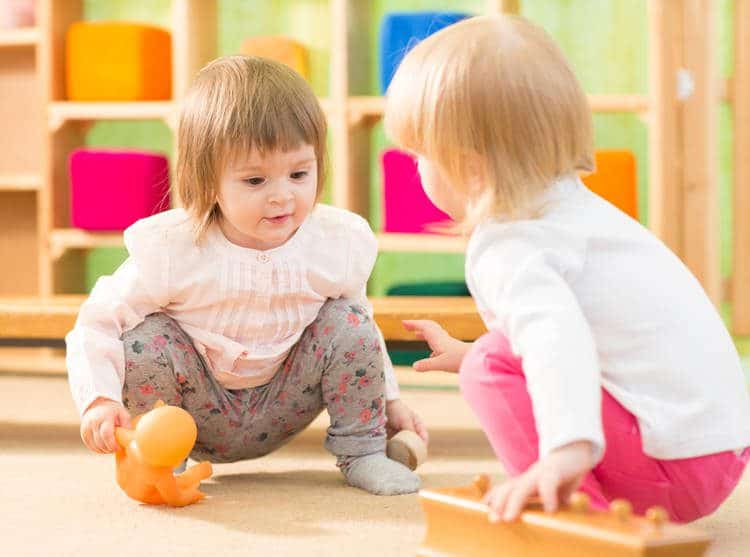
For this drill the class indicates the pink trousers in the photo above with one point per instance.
(493, 383)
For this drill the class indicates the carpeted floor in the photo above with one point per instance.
(58, 499)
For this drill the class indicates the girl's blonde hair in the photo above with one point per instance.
(492, 102)
(238, 104)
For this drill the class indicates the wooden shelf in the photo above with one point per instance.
(64, 239)
(433, 243)
(370, 109)
(64, 111)
(49, 361)
(52, 317)
(20, 182)
(27, 36)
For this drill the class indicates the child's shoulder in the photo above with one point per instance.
(166, 220)
(513, 244)
(332, 222)
(160, 229)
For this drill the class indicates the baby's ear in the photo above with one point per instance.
(159, 403)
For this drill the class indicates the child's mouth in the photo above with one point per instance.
(280, 219)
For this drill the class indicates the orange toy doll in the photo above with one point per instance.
(160, 440)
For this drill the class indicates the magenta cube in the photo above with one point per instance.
(406, 206)
(111, 189)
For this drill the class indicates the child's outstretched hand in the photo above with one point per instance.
(447, 352)
(99, 422)
(400, 416)
(554, 479)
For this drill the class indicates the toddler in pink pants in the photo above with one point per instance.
(606, 367)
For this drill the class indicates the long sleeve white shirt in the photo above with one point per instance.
(243, 308)
(589, 298)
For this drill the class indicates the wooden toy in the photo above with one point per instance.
(615, 180)
(111, 189)
(458, 524)
(406, 206)
(160, 440)
(111, 61)
(407, 448)
(401, 31)
(281, 49)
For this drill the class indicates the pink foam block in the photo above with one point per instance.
(110, 190)
(406, 206)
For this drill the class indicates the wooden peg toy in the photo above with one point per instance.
(160, 440)
(458, 524)
(407, 448)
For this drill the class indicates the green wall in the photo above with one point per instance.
(606, 41)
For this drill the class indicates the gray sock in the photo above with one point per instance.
(378, 474)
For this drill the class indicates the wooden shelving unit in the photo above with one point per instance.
(21, 126)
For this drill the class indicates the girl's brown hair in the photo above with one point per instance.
(238, 104)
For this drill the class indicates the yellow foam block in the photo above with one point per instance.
(281, 49)
(113, 61)
(615, 180)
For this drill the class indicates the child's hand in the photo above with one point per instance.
(554, 479)
(447, 352)
(99, 422)
(400, 416)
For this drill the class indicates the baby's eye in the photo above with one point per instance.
(255, 181)
(299, 175)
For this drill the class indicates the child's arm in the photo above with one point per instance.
(546, 327)
(95, 353)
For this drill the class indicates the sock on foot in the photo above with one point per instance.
(378, 474)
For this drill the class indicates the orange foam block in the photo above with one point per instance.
(280, 49)
(615, 180)
(113, 61)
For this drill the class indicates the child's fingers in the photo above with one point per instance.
(496, 500)
(420, 429)
(549, 484)
(107, 431)
(426, 364)
(441, 362)
(425, 327)
(524, 488)
(86, 437)
(123, 417)
(96, 438)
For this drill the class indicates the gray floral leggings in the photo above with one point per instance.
(337, 364)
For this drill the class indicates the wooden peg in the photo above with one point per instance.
(621, 509)
(657, 516)
(407, 448)
(579, 502)
(482, 483)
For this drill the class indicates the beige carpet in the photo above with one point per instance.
(58, 499)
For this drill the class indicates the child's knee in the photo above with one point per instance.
(152, 325)
(490, 355)
(349, 321)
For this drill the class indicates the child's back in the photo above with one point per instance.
(661, 346)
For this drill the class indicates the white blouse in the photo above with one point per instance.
(589, 298)
(243, 308)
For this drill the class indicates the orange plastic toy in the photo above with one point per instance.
(458, 524)
(160, 441)
(280, 49)
(615, 180)
(114, 61)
